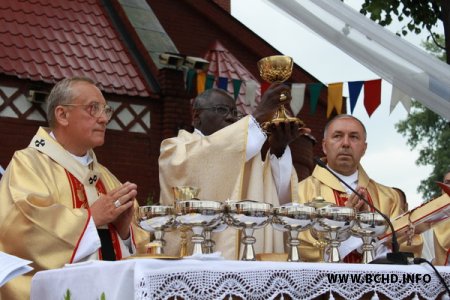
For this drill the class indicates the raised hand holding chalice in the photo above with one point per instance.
(277, 69)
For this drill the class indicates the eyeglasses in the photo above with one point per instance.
(96, 109)
(222, 110)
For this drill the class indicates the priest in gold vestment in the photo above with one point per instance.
(344, 144)
(223, 158)
(58, 204)
(442, 237)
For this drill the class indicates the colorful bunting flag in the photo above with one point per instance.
(201, 80)
(314, 92)
(264, 86)
(398, 96)
(191, 74)
(354, 89)
(334, 98)
(372, 95)
(209, 81)
(250, 93)
(298, 97)
(372, 92)
(222, 83)
(236, 87)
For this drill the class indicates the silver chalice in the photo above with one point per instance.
(368, 226)
(248, 215)
(157, 219)
(293, 218)
(198, 215)
(333, 224)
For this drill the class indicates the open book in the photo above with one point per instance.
(12, 266)
(422, 218)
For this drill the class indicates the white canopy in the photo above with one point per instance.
(408, 68)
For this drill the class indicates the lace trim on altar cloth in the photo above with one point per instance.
(284, 284)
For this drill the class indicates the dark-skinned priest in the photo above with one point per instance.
(223, 158)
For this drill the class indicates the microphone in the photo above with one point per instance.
(396, 257)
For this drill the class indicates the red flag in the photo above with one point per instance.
(372, 95)
(264, 86)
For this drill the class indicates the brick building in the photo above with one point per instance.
(118, 43)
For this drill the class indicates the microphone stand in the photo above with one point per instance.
(396, 257)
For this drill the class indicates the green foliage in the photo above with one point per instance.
(419, 15)
(67, 295)
(151, 199)
(433, 48)
(430, 133)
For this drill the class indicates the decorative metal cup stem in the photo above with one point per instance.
(248, 240)
(159, 241)
(209, 243)
(197, 240)
(334, 256)
(368, 250)
(294, 242)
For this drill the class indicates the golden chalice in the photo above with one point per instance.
(278, 68)
(184, 193)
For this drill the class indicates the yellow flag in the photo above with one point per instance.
(334, 98)
(201, 81)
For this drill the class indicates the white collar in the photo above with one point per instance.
(85, 160)
(351, 180)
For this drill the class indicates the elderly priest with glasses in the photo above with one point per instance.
(222, 157)
(58, 204)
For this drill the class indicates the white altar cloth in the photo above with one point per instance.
(222, 279)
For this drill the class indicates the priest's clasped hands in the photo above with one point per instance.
(355, 202)
(116, 207)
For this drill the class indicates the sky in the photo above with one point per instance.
(388, 159)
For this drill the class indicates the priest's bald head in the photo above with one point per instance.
(213, 110)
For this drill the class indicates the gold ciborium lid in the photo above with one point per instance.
(182, 193)
(275, 68)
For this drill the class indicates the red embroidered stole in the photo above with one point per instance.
(79, 200)
(341, 198)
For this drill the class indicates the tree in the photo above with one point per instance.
(431, 134)
(419, 15)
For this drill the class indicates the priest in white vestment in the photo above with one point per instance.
(223, 158)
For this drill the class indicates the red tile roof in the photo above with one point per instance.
(47, 40)
(222, 63)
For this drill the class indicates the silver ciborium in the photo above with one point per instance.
(157, 219)
(248, 215)
(293, 218)
(369, 225)
(198, 215)
(333, 224)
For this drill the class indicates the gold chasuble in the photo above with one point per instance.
(442, 243)
(45, 196)
(217, 165)
(322, 183)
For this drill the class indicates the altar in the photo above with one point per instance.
(143, 278)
